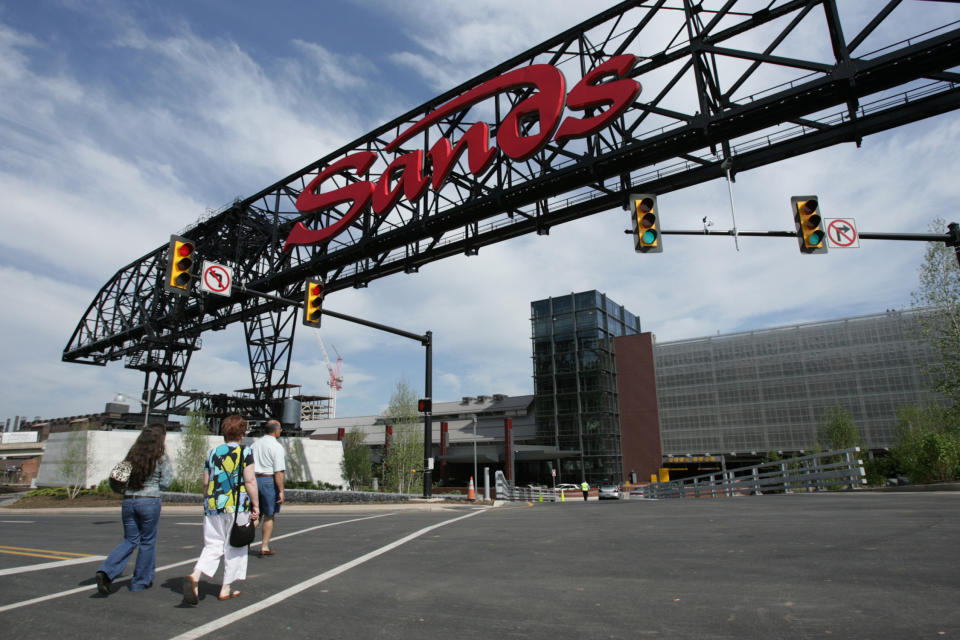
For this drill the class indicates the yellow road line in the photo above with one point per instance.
(32, 555)
(4, 547)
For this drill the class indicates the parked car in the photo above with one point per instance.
(567, 487)
(609, 492)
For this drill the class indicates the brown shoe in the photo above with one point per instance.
(266, 552)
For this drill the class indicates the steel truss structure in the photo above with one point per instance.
(743, 82)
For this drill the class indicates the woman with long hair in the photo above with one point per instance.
(227, 489)
(150, 472)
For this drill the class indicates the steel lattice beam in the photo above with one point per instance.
(719, 84)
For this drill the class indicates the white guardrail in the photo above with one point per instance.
(840, 469)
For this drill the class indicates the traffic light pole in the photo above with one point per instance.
(426, 340)
(951, 238)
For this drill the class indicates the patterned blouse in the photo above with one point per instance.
(221, 465)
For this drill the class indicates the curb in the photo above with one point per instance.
(328, 507)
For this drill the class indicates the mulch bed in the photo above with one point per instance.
(47, 502)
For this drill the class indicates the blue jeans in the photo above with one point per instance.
(141, 519)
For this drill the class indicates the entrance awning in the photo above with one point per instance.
(532, 453)
(521, 453)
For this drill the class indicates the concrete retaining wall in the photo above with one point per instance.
(307, 460)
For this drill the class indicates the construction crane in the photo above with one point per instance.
(336, 379)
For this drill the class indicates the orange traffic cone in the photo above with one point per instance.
(471, 492)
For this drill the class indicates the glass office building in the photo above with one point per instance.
(575, 385)
(769, 390)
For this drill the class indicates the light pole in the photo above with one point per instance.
(476, 479)
(126, 397)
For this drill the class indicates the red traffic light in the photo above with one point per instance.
(179, 266)
(424, 405)
(312, 302)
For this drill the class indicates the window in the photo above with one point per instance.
(540, 308)
(562, 305)
(588, 300)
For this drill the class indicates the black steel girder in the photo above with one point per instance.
(721, 82)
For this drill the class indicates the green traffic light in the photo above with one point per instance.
(649, 236)
(816, 237)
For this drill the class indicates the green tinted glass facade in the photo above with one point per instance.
(575, 385)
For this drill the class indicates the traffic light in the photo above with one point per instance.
(312, 302)
(646, 224)
(424, 405)
(810, 232)
(180, 259)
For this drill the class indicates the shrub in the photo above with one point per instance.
(928, 448)
(311, 485)
(192, 453)
(879, 469)
(48, 492)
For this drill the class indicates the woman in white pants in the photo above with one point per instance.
(220, 479)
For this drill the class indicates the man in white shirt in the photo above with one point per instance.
(269, 460)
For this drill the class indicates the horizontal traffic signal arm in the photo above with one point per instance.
(564, 181)
(946, 238)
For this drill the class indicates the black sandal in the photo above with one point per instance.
(191, 590)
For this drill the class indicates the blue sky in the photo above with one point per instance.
(123, 122)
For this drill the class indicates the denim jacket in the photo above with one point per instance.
(161, 479)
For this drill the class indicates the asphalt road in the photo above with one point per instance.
(860, 565)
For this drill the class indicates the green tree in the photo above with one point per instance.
(76, 453)
(939, 291)
(192, 452)
(838, 431)
(356, 466)
(928, 446)
(403, 467)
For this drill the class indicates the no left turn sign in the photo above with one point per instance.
(216, 278)
(842, 233)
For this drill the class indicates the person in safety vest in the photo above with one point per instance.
(586, 489)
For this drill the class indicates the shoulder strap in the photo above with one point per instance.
(236, 499)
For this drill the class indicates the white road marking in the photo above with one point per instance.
(70, 592)
(50, 565)
(312, 582)
(17, 521)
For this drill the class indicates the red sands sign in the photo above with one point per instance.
(604, 86)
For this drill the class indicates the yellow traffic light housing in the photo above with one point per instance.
(180, 260)
(313, 302)
(646, 224)
(811, 234)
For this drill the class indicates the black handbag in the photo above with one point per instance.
(241, 535)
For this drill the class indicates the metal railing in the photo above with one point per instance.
(507, 491)
(821, 471)
(840, 469)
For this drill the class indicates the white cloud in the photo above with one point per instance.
(121, 162)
